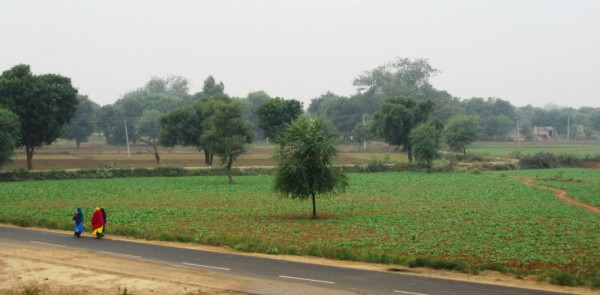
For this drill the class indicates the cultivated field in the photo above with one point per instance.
(510, 150)
(452, 220)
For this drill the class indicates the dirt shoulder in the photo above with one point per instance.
(54, 270)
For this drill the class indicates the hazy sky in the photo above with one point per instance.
(523, 51)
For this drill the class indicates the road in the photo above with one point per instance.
(337, 279)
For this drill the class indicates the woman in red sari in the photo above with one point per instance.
(97, 223)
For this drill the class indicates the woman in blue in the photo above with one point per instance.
(78, 218)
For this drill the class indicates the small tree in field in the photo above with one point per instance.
(426, 141)
(461, 131)
(227, 134)
(307, 150)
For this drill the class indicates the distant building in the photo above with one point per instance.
(544, 132)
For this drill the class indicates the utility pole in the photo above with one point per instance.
(127, 140)
(568, 127)
(518, 132)
(365, 140)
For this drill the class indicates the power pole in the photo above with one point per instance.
(568, 127)
(365, 140)
(127, 140)
(518, 132)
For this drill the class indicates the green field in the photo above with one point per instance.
(510, 150)
(473, 219)
(581, 184)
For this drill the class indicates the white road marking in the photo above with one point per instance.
(42, 243)
(119, 254)
(410, 293)
(305, 279)
(207, 266)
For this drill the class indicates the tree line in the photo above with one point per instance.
(391, 100)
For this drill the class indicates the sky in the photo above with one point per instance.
(536, 52)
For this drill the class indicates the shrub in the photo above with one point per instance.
(564, 279)
(540, 160)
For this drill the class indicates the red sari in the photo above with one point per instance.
(97, 222)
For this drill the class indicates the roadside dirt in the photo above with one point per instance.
(52, 270)
(563, 195)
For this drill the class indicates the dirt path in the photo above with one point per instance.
(563, 195)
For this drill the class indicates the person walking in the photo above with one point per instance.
(78, 218)
(97, 223)
(104, 218)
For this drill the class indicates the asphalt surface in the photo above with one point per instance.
(329, 277)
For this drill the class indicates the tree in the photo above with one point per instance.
(82, 124)
(305, 158)
(426, 139)
(397, 117)
(211, 87)
(9, 135)
(43, 103)
(183, 127)
(227, 133)
(402, 77)
(274, 113)
(460, 132)
(110, 122)
(147, 131)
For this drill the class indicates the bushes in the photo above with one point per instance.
(543, 160)
(164, 171)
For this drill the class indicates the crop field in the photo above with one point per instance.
(510, 150)
(475, 220)
(581, 184)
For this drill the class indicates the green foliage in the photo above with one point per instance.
(227, 134)
(426, 141)
(9, 135)
(401, 77)
(545, 160)
(43, 103)
(81, 126)
(565, 279)
(382, 217)
(305, 158)
(376, 165)
(460, 132)
(397, 117)
(275, 113)
(496, 116)
(437, 264)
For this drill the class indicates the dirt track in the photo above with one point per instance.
(563, 195)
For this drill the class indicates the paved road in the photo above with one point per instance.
(330, 277)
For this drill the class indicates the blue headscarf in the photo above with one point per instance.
(79, 215)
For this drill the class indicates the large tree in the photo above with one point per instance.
(227, 134)
(460, 132)
(111, 123)
(183, 127)
(305, 161)
(397, 117)
(426, 142)
(9, 135)
(44, 103)
(401, 77)
(274, 113)
(82, 124)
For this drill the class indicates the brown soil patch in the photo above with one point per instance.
(563, 195)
